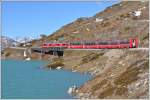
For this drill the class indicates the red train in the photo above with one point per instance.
(131, 43)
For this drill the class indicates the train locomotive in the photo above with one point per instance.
(112, 44)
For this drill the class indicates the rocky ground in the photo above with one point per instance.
(118, 73)
(119, 21)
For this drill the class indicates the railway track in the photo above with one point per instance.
(141, 48)
(136, 49)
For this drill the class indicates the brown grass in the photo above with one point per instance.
(55, 65)
(125, 15)
(107, 92)
(129, 76)
(146, 65)
(90, 57)
(127, 28)
(99, 85)
(7, 54)
(121, 90)
(105, 24)
(57, 59)
(146, 37)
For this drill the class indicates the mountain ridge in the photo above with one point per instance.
(115, 22)
(7, 42)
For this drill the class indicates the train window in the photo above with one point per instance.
(124, 42)
(133, 43)
(49, 44)
(76, 43)
(89, 43)
(58, 44)
(114, 43)
(92, 43)
(86, 43)
(103, 43)
(64, 44)
(45, 44)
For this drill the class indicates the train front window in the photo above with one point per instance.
(133, 43)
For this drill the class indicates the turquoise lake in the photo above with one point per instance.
(27, 80)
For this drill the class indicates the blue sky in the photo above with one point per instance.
(20, 19)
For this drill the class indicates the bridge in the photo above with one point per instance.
(51, 51)
(134, 49)
(57, 51)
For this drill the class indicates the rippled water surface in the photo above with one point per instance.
(26, 79)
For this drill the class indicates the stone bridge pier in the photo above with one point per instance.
(56, 51)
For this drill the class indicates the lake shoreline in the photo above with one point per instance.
(106, 67)
(76, 95)
(35, 63)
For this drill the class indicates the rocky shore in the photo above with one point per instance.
(117, 73)
(124, 74)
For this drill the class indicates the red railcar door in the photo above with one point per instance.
(133, 43)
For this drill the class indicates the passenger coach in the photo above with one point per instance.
(131, 43)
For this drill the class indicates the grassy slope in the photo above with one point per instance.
(117, 24)
(118, 73)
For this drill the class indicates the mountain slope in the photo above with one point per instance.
(7, 42)
(116, 22)
(117, 73)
